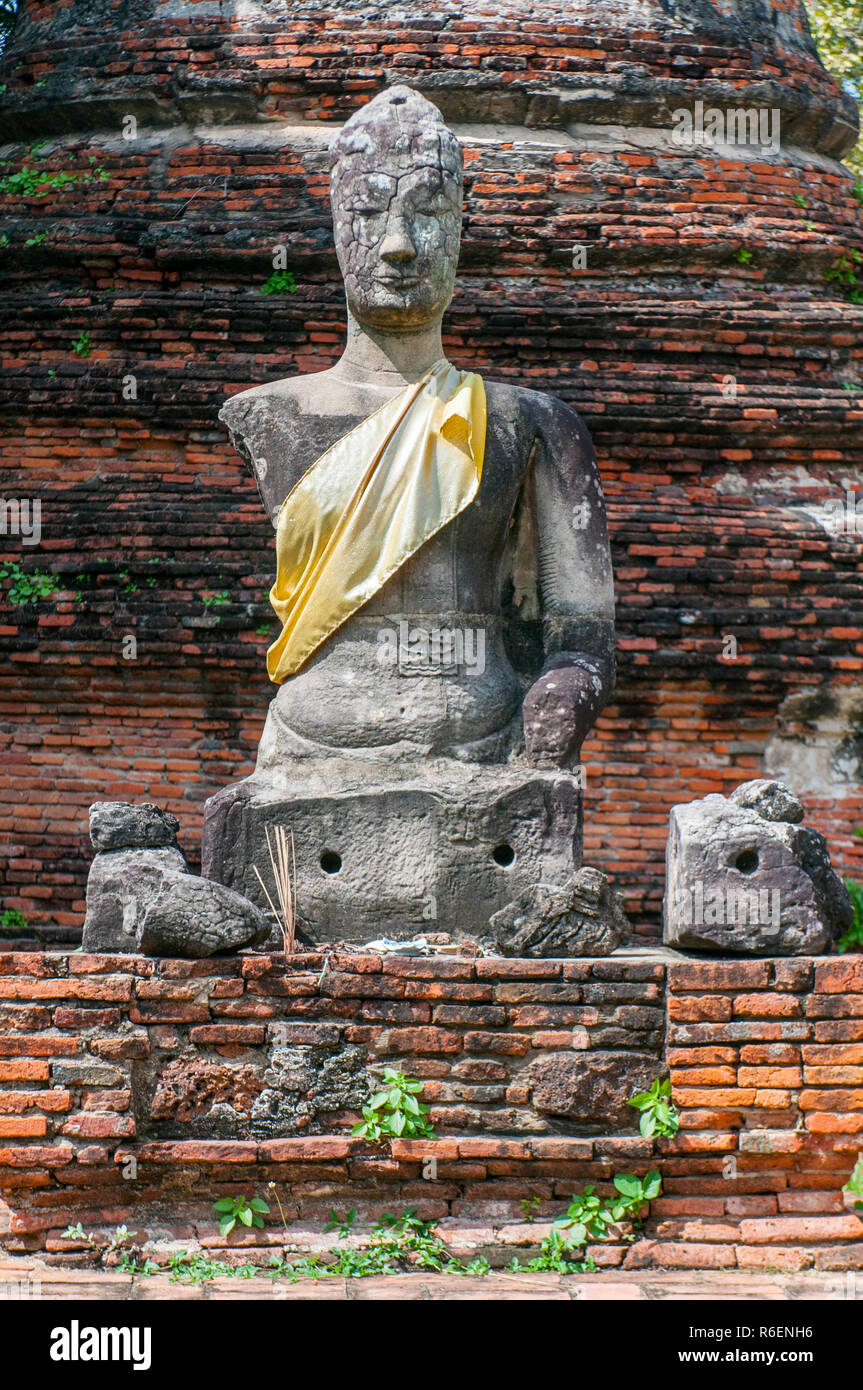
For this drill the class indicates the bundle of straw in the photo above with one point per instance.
(285, 875)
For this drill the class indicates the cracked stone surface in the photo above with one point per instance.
(145, 901)
(123, 825)
(592, 1089)
(744, 875)
(304, 1085)
(583, 918)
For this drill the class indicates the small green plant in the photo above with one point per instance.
(12, 918)
(4, 240)
(101, 1245)
(528, 1206)
(83, 346)
(343, 1224)
(395, 1113)
(280, 282)
(590, 1217)
(396, 1244)
(659, 1117)
(213, 600)
(843, 272)
(129, 1264)
(743, 256)
(36, 240)
(248, 1212)
(77, 1232)
(28, 586)
(800, 200)
(29, 182)
(853, 938)
(855, 1183)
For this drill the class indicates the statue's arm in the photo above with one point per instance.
(575, 588)
(249, 425)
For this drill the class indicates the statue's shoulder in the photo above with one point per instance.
(536, 412)
(281, 400)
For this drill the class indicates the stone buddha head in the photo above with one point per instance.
(396, 192)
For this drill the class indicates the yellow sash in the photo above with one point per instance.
(369, 503)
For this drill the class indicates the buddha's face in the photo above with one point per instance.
(397, 214)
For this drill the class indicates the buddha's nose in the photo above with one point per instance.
(397, 246)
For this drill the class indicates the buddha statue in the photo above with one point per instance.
(443, 584)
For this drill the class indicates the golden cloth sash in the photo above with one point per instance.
(369, 503)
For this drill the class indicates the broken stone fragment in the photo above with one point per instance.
(190, 916)
(143, 900)
(586, 918)
(592, 1089)
(121, 884)
(771, 800)
(122, 825)
(743, 875)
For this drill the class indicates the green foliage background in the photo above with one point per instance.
(837, 27)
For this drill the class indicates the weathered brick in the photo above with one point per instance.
(308, 1034)
(706, 975)
(503, 1044)
(418, 1040)
(83, 1072)
(23, 1127)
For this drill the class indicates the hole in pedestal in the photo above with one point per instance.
(330, 861)
(747, 861)
(503, 855)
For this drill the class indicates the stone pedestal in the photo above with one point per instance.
(390, 850)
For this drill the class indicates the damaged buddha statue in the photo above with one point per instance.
(445, 596)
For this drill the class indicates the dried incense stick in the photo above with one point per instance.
(284, 867)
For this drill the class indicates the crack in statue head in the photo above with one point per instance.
(396, 193)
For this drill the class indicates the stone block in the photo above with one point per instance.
(744, 875)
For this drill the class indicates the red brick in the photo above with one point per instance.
(16, 1102)
(433, 968)
(705, 975)
(695, 1008)
(501, 1044)
(767, 1006)
(23, 1127)
(24, 1070)
(802, 1228)
(419, 1040)
(841, 976)
(518, 969)
(99, 1126)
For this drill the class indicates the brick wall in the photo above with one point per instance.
(722, 394)
(101, 1057)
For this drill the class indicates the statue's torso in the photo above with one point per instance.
(351, 693)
